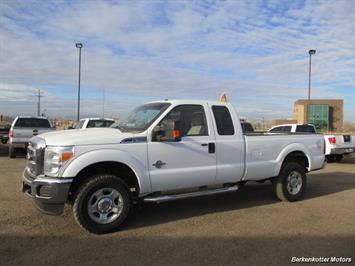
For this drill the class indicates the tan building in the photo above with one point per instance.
(326, 115)
(277, 122)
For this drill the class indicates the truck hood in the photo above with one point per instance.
(90, 136)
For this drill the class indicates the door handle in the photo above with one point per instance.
(204, 144)
(211, 147)
(158, 164)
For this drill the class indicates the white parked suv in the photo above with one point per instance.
(336, 145)
(94, 122)
(166, 150)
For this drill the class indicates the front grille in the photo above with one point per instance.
(35, 156)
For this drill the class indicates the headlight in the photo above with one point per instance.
(55, 158)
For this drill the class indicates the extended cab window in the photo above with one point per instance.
(224, 120)
(189, 119)
(305, 128)
(32, 122)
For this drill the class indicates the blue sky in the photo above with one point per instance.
(137, 51)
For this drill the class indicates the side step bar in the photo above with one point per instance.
(164, 198)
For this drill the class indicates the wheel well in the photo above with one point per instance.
(298, 157)
(115, 168)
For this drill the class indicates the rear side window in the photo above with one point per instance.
(287, 129)
(100, 123)
(283, 129)
(80, 124)
(276, 130)
(223, 120)
(247, 127)
(32, 122)
(305, 128)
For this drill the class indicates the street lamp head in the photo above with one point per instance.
(79, 45)
(311, 52)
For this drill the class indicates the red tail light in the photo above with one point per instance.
(332, 140)
(11, 134)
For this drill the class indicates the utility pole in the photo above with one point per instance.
(103, 103)
(39, 95)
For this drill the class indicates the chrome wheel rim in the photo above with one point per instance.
(294, 182)
(105, 205)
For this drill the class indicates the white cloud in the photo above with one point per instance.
(181, 49)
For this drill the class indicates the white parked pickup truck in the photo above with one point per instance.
(94, 123)
(23, 128)
(336, 145)
(162, 151)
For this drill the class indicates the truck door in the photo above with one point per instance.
(230, 143)
(185, 161)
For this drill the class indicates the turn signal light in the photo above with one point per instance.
(332, 140)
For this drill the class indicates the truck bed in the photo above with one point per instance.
(265, 151)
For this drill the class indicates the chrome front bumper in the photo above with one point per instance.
(48, 194)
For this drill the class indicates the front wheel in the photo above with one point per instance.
(102, 204)
(291, 183)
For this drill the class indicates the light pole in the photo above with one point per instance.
(79, 45)
(311, 52)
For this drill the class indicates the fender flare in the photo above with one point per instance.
(109, 155)
(293, 147)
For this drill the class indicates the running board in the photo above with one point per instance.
(164, 198)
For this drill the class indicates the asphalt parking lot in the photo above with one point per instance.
(250, 227)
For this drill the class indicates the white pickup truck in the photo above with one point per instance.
(23, 128)
(162, 151)
(336, 145)
(94, 123)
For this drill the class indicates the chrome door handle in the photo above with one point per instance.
(158, 164)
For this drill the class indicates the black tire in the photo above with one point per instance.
(241, 184)
(85, 193)
(339, 157)
(330, 158)
(12, 152)
(282, 186)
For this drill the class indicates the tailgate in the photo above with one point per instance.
(343, 141)
(24, 135)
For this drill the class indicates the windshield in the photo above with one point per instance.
(141, 117)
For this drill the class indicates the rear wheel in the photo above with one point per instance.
(290, 185)
(102, 204)
(339, 157)
(334, 158)
(12, 152)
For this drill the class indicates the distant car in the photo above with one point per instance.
(4, 133)
(25, 127)
(247, 127)
(336, 145)
(94, 122)
(293, 128)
